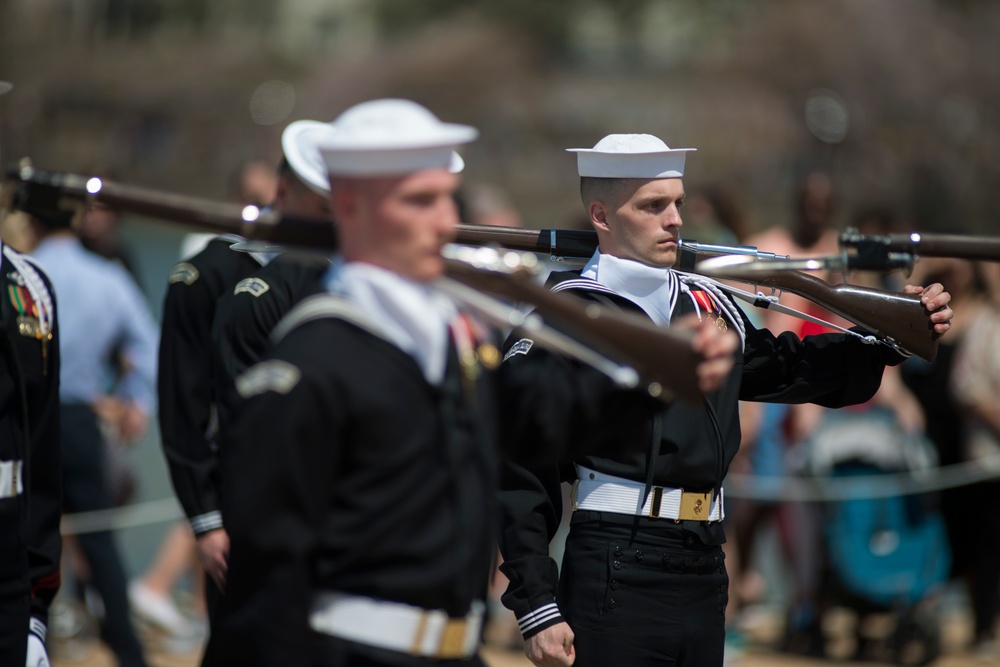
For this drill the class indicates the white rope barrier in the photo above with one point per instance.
(750, 487)
(117, 518)
(881, 485)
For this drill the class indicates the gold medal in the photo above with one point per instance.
(28, 326)
(721, 323)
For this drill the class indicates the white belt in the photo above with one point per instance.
(607, 493)
(396, 626)
(11, 478)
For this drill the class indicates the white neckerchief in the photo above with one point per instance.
(36, 288)
(411, 315)
(652, 288)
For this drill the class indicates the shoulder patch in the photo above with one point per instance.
(252, 286)
(520, 347)
(184, 272)
(273, 375)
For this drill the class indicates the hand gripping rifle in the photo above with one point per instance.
(628, 348)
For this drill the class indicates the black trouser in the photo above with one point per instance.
(655, 599)
(15, 612)
(85, 489)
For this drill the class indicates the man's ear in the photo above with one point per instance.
(343, 201)
(599, 216)
(281, 194)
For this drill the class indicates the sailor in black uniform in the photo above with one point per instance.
(643, 579)
(30, 464)
(186, 387)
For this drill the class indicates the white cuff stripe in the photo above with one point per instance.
(535, 618)
(206, 522)
(36, 627)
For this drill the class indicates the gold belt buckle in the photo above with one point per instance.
(656, 502)
(452, 644)
(695, 506)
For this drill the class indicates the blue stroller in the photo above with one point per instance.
(885, 553)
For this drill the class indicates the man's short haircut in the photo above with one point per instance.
(608, 190)
(285, 171)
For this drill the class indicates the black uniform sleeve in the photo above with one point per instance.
(282, 445)
(45, 500)
(185, 384)
(553, 409)
(832, 370)
(530, 512)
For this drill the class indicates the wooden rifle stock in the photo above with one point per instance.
(897, 316)
(72, 191)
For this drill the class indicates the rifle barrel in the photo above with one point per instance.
(947, 245)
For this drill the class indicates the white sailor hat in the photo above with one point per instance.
(389, 137)
(5, 87)
(630, 156)
(299, 145)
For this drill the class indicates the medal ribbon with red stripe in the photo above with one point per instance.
(707, 302)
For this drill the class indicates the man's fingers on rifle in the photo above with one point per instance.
(689, 321)
(705, 338)
(942, 319)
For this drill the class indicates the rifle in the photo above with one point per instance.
(881, 252)
(899, 319)
(626, 347)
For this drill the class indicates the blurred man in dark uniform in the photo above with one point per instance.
(247, 314)
(188, 424)
(30, 466)
(643, 579)
(106, 328)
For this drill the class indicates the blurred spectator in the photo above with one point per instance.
(489, 205)
(770, 431)
(152, 594)
(255, 184)
(715, 216)
(101, 310)
(975, 383)
(98, 231)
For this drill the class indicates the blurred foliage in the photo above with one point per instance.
(901, 105)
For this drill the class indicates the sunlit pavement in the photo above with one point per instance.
(764, 630)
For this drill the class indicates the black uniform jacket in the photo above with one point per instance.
(345, 470)
(246, 315)
(29, 432)
(185, 384)
(696, 444)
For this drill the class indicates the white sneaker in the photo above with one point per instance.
(156, 609)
